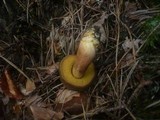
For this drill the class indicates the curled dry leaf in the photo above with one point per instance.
(71, 101)
(8, 87)
(40, 113)
(30, 86)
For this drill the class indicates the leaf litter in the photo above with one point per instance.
(45, 32)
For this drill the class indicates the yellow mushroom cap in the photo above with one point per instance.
(69, 80)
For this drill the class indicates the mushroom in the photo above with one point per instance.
(77, 71)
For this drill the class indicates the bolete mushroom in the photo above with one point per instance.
(77, 71)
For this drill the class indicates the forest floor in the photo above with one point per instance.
(35, 35)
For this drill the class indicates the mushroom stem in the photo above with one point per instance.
(86, 53)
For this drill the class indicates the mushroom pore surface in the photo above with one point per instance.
(69, 80)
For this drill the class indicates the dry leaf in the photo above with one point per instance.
(71, 101)
(40, 113)
(30, 86)
(130, 44)
(66, 95)
(33, 100)
(8, 86)
(41, 110)
(129, 58)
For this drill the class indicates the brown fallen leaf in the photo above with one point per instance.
(40, 113)
(30, 86)
(71, 101)
(40, 109)
(8, 87)
(66, 95)
(34, 100)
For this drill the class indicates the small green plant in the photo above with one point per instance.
(151, 28)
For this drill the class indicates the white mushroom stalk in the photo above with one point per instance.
(86, 52)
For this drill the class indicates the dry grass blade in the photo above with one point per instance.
(153, 104)
(130, 113)
(129, 76)
(4, 1)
